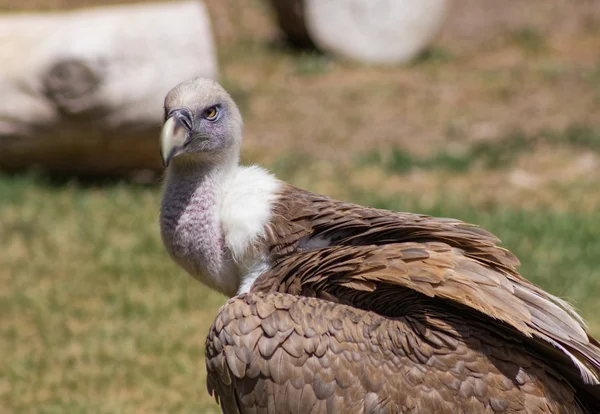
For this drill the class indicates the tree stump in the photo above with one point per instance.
(290, 17)
(371, 31)
(82, 91)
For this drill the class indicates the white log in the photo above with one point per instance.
(82, 91)
(371, 31)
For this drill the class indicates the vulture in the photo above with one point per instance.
(340, 308)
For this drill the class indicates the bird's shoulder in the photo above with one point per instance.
(302, 221)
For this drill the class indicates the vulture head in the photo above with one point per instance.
(202, 124)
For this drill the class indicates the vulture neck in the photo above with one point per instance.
(190, 220)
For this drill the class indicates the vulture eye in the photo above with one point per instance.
(211, 113)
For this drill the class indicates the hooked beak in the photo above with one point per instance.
(172, 138)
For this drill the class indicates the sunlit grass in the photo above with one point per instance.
(501, 153)
(94, 317)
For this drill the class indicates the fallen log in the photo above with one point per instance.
(82, 91)
(371, 31)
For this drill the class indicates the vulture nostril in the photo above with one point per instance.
(183, 116)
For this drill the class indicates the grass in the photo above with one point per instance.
(434, 56)
(529, 40)
(309, 64)
(486, 154)
(88, 313)
(95, 318)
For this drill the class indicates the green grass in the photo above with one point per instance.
(529, 40)
(493, 154)
(310, 64)
(94, 317)
(489, 155)
(594, 79)
(577, 135)
(434, 55)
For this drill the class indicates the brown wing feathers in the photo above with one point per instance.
(433, 270)
(312, 355)
(483, 265)
(367, 263)
(303, 221)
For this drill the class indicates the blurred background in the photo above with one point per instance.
(494, 120)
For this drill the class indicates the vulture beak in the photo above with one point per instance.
(173, 137)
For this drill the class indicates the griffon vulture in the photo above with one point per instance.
(340, 308)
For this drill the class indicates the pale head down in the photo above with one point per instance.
(202, 124)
